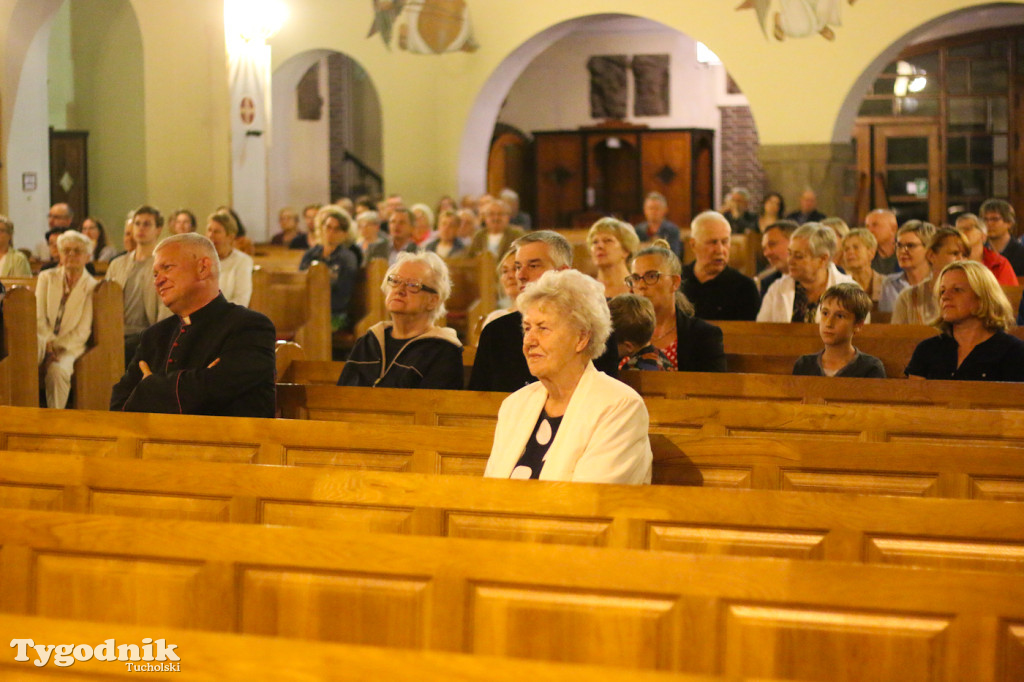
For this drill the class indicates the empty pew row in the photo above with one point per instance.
(215, 657)
(962, 534)
(768, 618)
(769, 461)
(95, 372)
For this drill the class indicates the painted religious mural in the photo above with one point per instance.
(797, 18)
(424, 26)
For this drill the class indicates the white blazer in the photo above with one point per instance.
(602, 438)
(76, 326)
(777, 305)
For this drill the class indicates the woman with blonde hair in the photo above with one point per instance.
(235, 266)
(858, 250)
(612, 244)
(917, 304)
(974, 315)
(13, 263)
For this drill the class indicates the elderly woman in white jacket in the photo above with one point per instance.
(64, 315)
(794, 297)
(575, 423)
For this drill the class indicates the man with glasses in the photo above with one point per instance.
(500, 364)
(1000, 219)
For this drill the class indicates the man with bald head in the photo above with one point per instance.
(882, 224)
(808, 212)
(717, 291)
(212, 357)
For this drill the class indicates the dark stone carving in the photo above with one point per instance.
(608, 86)
(307, 93)
(651, 78)
(666, 175)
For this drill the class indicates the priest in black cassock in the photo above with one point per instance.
(213, 357)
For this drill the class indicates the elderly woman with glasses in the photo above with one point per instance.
(691, 344)
(64, 315)
(410, 351)
(574, 423)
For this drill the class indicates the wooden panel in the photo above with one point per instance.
(354, 414)
(573, 626)
(207, 452)
(149, 505)
(349, 459)
(1013, 652)
(462, 464)
(791, 644)
(735, 541)
(720, 477)
(952, 554)
(129, 590)
(336, 517)
(862, 482)
(559, 178)
(335, 607)
(96, 447)
(43, 497)
(991, 488)
(593, 533)
(665, 167)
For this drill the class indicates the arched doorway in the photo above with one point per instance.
(327, 132)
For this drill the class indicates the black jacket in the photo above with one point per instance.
(700, 347)
(240, 384)
(431, 360)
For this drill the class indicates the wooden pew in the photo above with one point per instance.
(19, 372)
(215, 657)
(780, 459)
(772, 348)
(967, 534)
(277, 258)
(474, 292)
(812, 390)
(299, 305)
(373, 304)
(699, 614)
(102, 364)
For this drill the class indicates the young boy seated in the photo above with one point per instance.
(843, 309)
(633, 325)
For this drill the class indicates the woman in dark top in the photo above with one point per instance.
(974, 315)
(690, 343)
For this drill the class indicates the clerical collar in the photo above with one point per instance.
(185, 321)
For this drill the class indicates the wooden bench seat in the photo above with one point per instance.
(216, 657)
(773, 618)
(974, 534)
(299, 305)
(19, 372)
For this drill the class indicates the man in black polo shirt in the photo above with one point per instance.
(717, 291)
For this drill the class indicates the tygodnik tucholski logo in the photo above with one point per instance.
(64, 655)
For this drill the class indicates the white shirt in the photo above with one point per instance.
(236, 277)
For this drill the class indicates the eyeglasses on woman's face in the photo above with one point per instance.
(412, 286)
(650, 278)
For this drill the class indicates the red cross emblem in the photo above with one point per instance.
(248, 110)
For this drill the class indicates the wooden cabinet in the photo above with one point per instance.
(608, 170)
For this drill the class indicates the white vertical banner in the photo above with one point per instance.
(249, 73)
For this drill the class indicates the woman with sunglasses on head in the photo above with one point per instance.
(692, 344)
(410, 351)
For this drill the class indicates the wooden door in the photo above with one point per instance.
(666, 167)
(613, 169)
(559, 178)
(69, 171)
(905, 170)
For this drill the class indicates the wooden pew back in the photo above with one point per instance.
(102, 364)
(474, 291)
(277, 258)
(703, 614)
(968, 534)
(19, 374)
(299, 305)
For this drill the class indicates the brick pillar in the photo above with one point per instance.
(740, 164)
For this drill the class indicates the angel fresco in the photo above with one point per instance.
(797, 18)
(424, 26)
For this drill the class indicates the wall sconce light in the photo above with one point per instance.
(254, 20)
(910, 78)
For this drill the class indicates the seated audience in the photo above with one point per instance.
(858, 252)
(212, 357)
(400, 231)
(716, 290)
(917, 304)
(497, 234)
(808, 212)
(370, 241)
(656, 225)
(422, 223)
(795, 297)
(363, 204)
(518, 218)
(13, 263)
(882, 223)
(53, 255)
(773, 209)
(632, 329)
(1000, 219)
(509, 286)
(974, 315)
(911, 245)
(289, 236)
(64, 316)
(469, 223)
(235, 266)
(775, 248)
(242, 242)
(612, 244)
(102, 252)
(182, 221)
(445, 203)
(575, 423)
(839, 226)
(333, 226)
(446, 243)
(736, 210)
(410, 351)
(309, 213)
(976, 232)
(691, 344)
(844, 309)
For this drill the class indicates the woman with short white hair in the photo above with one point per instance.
(575, 423)
(794, 297)
(410, 351)
(64, 315)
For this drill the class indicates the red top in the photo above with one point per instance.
(999, 266)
